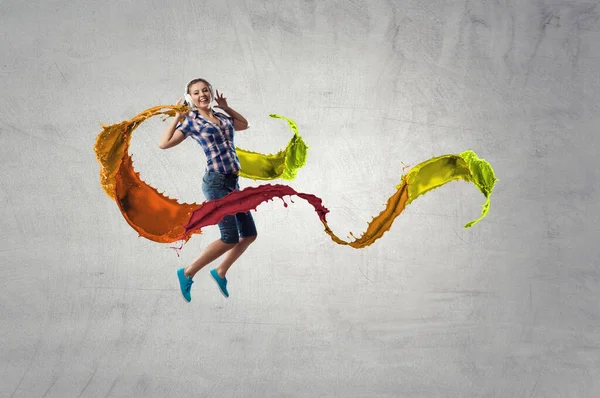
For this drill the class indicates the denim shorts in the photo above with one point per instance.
(215, 186)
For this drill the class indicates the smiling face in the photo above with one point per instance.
(200, 93)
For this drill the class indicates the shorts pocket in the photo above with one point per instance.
(213, 180)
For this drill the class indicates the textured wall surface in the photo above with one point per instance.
(508, 308)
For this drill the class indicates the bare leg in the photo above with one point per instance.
(210, 254)
(234, 254)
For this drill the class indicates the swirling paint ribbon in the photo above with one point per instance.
(163, 219)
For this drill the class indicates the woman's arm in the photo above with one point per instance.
(172, 137)
(239, 122)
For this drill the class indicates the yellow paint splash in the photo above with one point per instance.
(421, 179)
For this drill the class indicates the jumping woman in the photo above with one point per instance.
(214, 130)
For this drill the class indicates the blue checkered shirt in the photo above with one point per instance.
(216, 140)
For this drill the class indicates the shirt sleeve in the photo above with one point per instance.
(184, 126)
(225, 115)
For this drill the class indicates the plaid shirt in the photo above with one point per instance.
(216, 140)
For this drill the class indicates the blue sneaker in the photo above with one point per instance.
(185, 283)
(221, 282)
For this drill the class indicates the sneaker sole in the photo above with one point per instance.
(219, 287)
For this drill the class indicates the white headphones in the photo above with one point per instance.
(188, 98)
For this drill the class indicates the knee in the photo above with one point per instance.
(248, 239)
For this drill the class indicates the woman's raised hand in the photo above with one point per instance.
(178, 114)
(221, 101)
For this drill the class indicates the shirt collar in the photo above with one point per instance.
(197, 114)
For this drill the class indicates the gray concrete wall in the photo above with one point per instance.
(509, 308)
